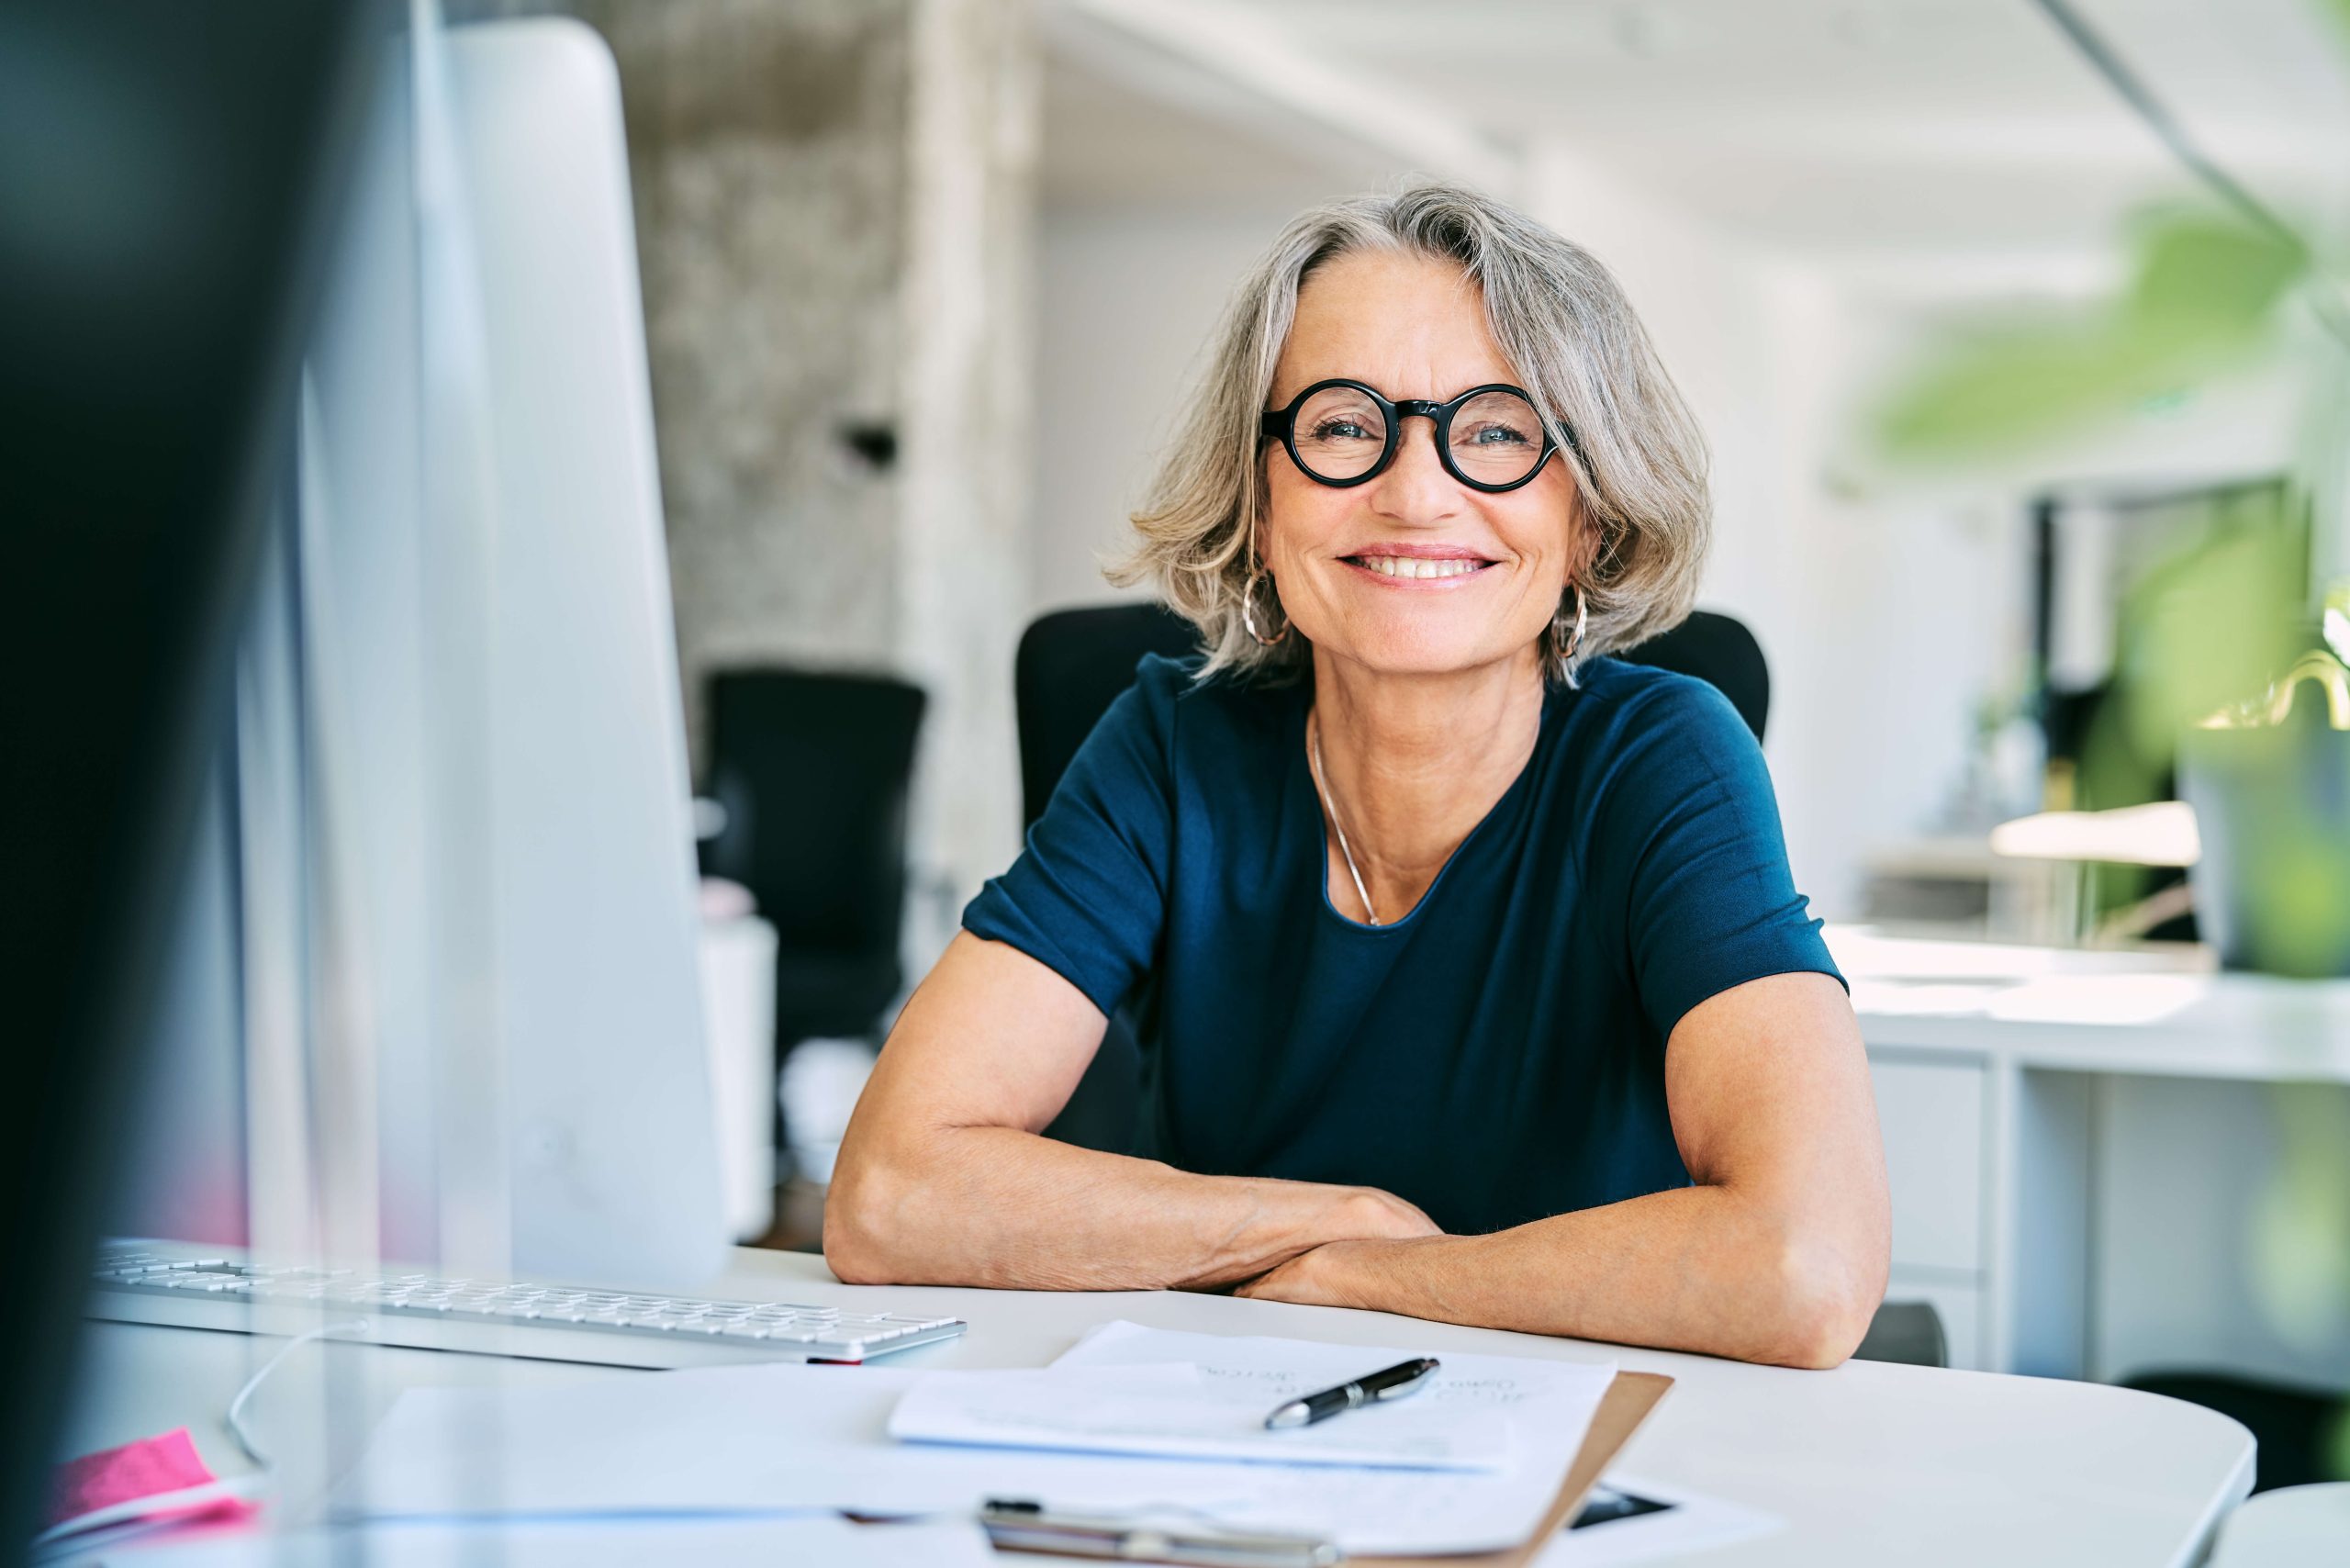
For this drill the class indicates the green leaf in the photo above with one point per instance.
(2203, 295)
(2205, 284)
(2009, 388)
(2211, 627)
(2340, 11)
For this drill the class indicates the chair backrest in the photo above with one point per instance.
(813, 769)
(1718, 650)
(1073, 663)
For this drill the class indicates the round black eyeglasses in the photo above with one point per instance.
(1342, 432)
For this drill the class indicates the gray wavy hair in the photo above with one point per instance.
(1574, 343)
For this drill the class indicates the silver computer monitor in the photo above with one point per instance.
(439, 957)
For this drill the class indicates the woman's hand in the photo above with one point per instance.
(1336, 1273)
(1318, 1276)
(1311, 1279)
(1372, 1219)
(1375, 1215)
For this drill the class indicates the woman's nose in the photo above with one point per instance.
(1416, 487)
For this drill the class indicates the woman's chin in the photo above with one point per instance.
(1419, 654)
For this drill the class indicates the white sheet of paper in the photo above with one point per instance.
(1184, 1410)
(581, 1543)
(1695, 1523)
(786, 1436)
(1548, 1406)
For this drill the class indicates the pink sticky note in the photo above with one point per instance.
(143, 1469)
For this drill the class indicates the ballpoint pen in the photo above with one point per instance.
(1392, 1383)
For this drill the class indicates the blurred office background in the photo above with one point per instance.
(1988, 366)
(927, 280)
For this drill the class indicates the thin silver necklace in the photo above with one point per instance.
(1314, 746)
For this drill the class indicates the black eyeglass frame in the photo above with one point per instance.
(1283, 423)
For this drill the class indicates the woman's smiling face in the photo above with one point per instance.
(1413, 572)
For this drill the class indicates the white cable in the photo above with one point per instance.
(132, 1515)
(252, 1384)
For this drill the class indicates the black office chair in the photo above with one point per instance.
(1072, 665)
(1718, 650)
(813, 769)
(1906, 1332)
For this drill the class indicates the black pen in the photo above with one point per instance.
(1391, 1384)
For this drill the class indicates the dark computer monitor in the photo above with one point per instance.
(164, 171)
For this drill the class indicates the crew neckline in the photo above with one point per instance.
(1300, 759)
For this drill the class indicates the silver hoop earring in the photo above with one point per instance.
(1249, 615)
(1574, 642)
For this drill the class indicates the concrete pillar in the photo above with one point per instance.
(965, 522)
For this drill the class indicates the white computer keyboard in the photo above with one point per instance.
(496, 1317)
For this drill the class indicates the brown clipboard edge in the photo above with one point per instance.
(1622, 1408)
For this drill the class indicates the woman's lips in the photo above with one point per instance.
(1417, 569)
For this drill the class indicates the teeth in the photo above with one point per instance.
(1414, 566)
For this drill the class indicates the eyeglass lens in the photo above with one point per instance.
(1340, 433)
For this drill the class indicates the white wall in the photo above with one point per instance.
(1127, 300)
(1896, 614)
(1704, 301)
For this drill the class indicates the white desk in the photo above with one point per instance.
(1996, 1070)
(1869, 1464)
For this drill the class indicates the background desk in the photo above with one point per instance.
(2074, 1141)
(1869, 1464)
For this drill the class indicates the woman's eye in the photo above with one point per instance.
(1497, 435)
(1339, 429)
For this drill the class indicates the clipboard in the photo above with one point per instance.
(1622, 1408)
(1625, 1405)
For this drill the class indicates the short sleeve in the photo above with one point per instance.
(1088, 895)
(1693, 827)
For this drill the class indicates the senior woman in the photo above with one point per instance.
(1470, 977)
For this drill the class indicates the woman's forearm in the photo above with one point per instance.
(1699, 1268)
(1776, 1252)
(1000, 1207)
(940, 1179)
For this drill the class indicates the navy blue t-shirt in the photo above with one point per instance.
(1496, 1056)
